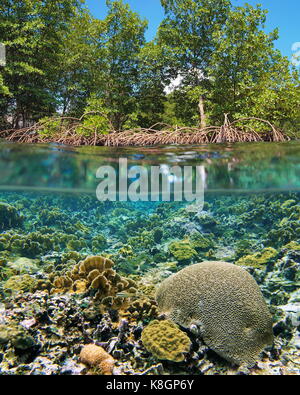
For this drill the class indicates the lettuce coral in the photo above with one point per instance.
(95, 274)
(142, 309)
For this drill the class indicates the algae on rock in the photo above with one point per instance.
(182, 250)
(259, 259)
(21, 283)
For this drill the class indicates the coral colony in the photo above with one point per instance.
(91, 287)
(219, 299)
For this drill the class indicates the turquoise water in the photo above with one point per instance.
(51, 222)
(245, 167)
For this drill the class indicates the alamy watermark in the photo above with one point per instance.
(2, 55)
(154, 183)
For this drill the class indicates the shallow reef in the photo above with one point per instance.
(79, 283)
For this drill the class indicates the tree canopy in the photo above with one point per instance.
(209, 58)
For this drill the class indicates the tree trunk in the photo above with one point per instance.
(202, 115)
(24, 120)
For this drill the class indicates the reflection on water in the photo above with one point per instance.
(249, 167)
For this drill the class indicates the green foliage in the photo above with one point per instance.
(188, 32)
(51, 126)
(151, 96)
(224, 57)
(96, 119)
(78, 71)
(63, 61)
(119, 39)
(3, 89)
(181, 108)
(33, 34)
(248, 76)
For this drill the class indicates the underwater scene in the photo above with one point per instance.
(150, 287)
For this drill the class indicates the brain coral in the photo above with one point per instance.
(166, 341)
(225, 303)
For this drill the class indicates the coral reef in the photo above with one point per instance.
(23, 283)
(267, 255)
(183, 251)
(96, 356)
(165, 340)
(95, 274)
(200, 242)
(206, 220)
(9, 216)
(17, 336)
(226, 305)
(49, 308)
(23, 266)
(52, 217)
(99, 243)
(143, 309)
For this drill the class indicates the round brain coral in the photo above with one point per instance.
(225, 303)
(166, 341)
